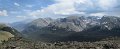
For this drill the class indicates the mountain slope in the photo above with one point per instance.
(8, 32)
(5, 35)
(110, 22)
(74, 28)
(37, 24)
(20, 26)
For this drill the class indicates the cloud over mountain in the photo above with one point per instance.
(82, 7)
(58, 8)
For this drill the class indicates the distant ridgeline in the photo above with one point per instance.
(7, 32)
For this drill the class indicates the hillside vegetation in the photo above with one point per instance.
(5, 35)
(7, 32)
(20, 43)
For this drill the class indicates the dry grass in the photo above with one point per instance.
(5, 35)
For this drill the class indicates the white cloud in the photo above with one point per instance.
(98, 14)
(106, 4)
(62, 7)
(16, 4)
(29, 6)
(22, 17)
(69, 7)
(3, 13)
(35, 13)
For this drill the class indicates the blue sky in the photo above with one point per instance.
(18, 10)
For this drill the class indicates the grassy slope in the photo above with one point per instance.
(5, 35)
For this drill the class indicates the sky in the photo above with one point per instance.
(18, 10)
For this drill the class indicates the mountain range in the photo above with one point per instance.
(72, 28)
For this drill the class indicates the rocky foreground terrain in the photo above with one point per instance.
(21, 43)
